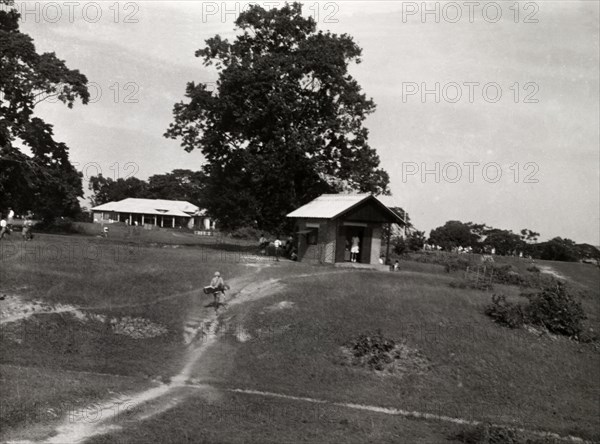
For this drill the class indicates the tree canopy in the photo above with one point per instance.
(106, 189)
(454, 234)
(44, 180)
(285, 122)
(177, 185)
(483, 238)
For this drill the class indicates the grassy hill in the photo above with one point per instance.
(279, 367)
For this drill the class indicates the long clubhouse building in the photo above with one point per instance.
(156, 212)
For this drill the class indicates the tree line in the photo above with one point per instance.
(179, 184)
(44, 181)
(482, 238)
(283, 125)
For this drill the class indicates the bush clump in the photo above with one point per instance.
(246, 233)
(554, 308)
(475, 284)
(557, 310)
(450, 261)
(506, 313)
(374, 349)
(455, 263)
(507, 275)
(59, 225)
(495, 434)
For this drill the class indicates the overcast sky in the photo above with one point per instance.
(510, 138)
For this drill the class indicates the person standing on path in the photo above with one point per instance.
(355, 248)
(262, 244)
(10, 218)
(277, 245)
(3, 227)
(27, 226)
(289, 246)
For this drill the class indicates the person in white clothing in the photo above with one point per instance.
(354, 250)
(3, 228)
(277, 245)
(10, 219)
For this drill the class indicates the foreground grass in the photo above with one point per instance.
(110, 279)
(34, 398)
(475, 370)
(240, 418)
(478, 370)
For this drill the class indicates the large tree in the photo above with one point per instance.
(503, 241)
(285, 122)
(176, 185)
(44, 179)
(105, 189)
(456, 234)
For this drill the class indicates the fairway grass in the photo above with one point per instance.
(478, 370)
(161, 285)
(287, 342)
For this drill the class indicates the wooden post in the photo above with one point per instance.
(387, 249)
(173, 222)
(161, 221)
(142, 219)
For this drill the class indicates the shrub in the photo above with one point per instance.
(246, 233)
(554, 308)
(507, 275)
(456, 263)
(450, 261)
(496, 434)
(557, 310)
(398, 245)
(62, 225)
(588, 336)
(505, 313)
(373, 348)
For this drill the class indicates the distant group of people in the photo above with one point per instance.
(287, 249)
(7, 224)
(431, 247)
(461, 250)
(487, 250)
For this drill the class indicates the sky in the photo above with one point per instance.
(486, 112)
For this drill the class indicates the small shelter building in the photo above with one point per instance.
(329, 226)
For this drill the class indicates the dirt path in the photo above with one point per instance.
(200, 333)
(145, 404)
(404, 413)
(551, 271)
